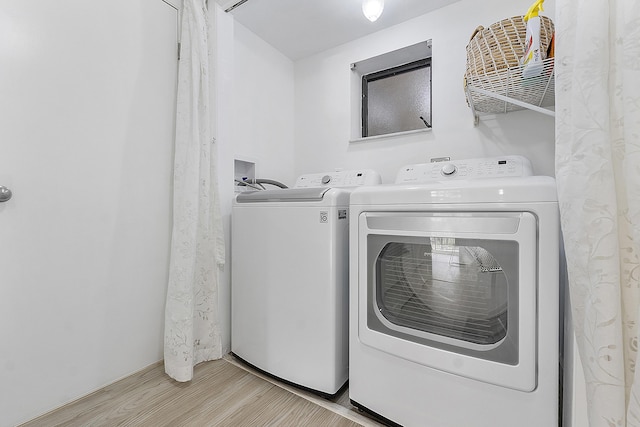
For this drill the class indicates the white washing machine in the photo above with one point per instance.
(454, 299)
(289, 283)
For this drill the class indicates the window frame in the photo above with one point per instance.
(387, 73)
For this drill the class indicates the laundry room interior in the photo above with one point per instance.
(90, 204)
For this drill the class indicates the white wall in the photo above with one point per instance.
(323, 101)
(254, 122)
(263, 106)
(86, 139)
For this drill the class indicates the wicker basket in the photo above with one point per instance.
(501, 46)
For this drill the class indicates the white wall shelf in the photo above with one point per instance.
(508, 90)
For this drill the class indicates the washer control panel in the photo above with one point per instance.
(495, 167)
(350, 178)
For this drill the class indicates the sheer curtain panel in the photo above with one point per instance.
(598, 176)
(192, 332)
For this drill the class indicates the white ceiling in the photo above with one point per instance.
(300, 28)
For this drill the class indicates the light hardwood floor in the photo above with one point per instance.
(223, 393)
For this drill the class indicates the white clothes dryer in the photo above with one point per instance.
(454, 300)
(289, 283)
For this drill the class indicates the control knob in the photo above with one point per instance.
(448, 169)
(5, 194)
(326, 179)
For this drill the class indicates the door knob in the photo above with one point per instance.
(5, 194)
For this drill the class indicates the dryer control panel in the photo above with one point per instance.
(494, 167)
(350, 178)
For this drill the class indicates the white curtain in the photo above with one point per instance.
(192, 332)
(598, 176)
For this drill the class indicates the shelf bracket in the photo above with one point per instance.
(476, 117)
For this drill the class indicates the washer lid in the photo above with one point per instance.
(314, 194)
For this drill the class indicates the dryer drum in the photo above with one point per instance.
(454, 291)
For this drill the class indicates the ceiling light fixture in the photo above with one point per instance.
(372, 9)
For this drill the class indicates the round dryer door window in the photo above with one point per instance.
(456, 291)
(452, 293)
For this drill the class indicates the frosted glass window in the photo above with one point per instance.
(397, 100)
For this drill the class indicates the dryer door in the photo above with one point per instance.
(452, 291)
